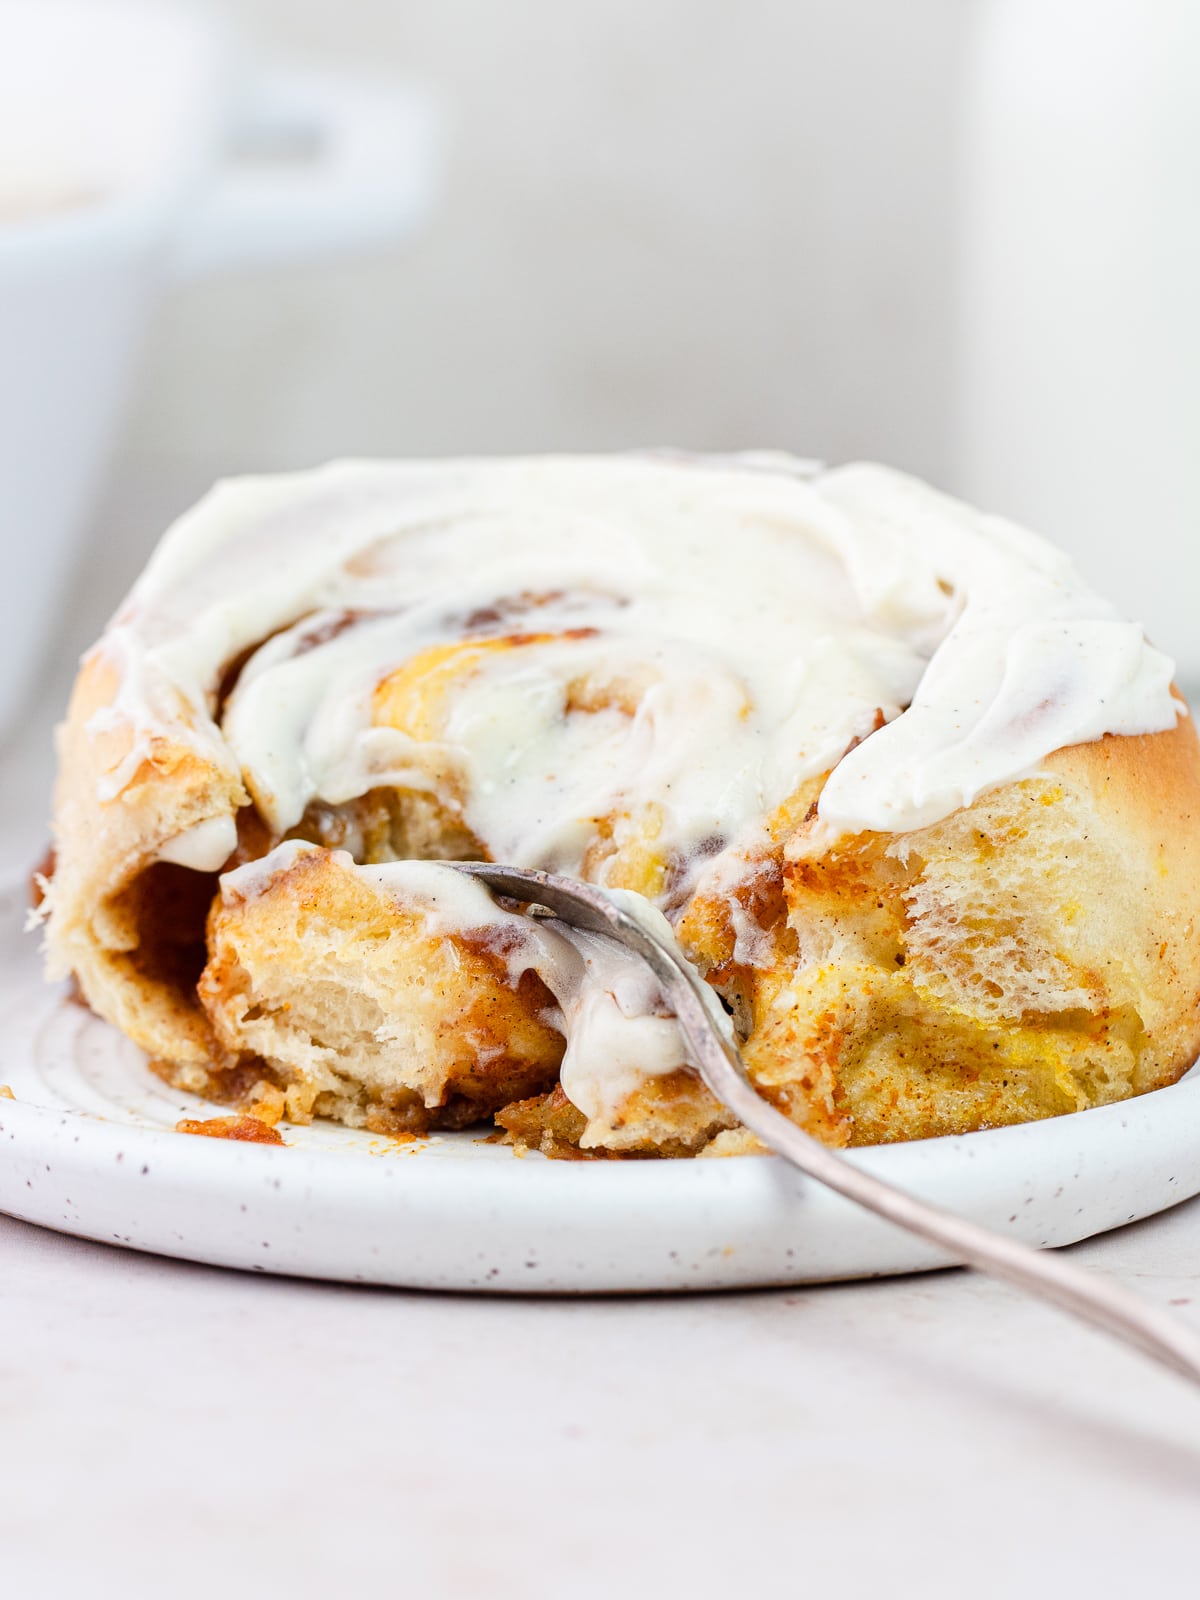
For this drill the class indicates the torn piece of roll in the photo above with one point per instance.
(920, 805)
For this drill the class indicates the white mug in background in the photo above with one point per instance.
(1080, 295)
(115, 123)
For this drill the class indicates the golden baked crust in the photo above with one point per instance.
(104, 894)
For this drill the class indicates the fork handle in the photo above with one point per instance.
(1157, 1333)
(1147, 1327)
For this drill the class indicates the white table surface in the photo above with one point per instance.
(173, 1430)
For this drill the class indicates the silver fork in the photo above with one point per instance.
(1147, 1327)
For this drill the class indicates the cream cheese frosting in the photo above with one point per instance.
(777, 622)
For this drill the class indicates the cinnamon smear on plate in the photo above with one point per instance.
(249, 1130)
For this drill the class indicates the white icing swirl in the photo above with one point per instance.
(767, 615)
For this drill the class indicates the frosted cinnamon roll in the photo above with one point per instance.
(919, 804)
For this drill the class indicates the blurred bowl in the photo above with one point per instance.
(136, 147)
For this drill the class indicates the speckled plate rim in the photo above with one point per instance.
(458, 1213)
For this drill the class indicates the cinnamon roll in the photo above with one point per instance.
(919, 804)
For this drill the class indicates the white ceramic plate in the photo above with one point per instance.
(88, 1147)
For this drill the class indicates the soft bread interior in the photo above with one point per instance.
(360, 1013)
(1018, 960)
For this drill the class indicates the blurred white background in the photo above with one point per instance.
(687, 221)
